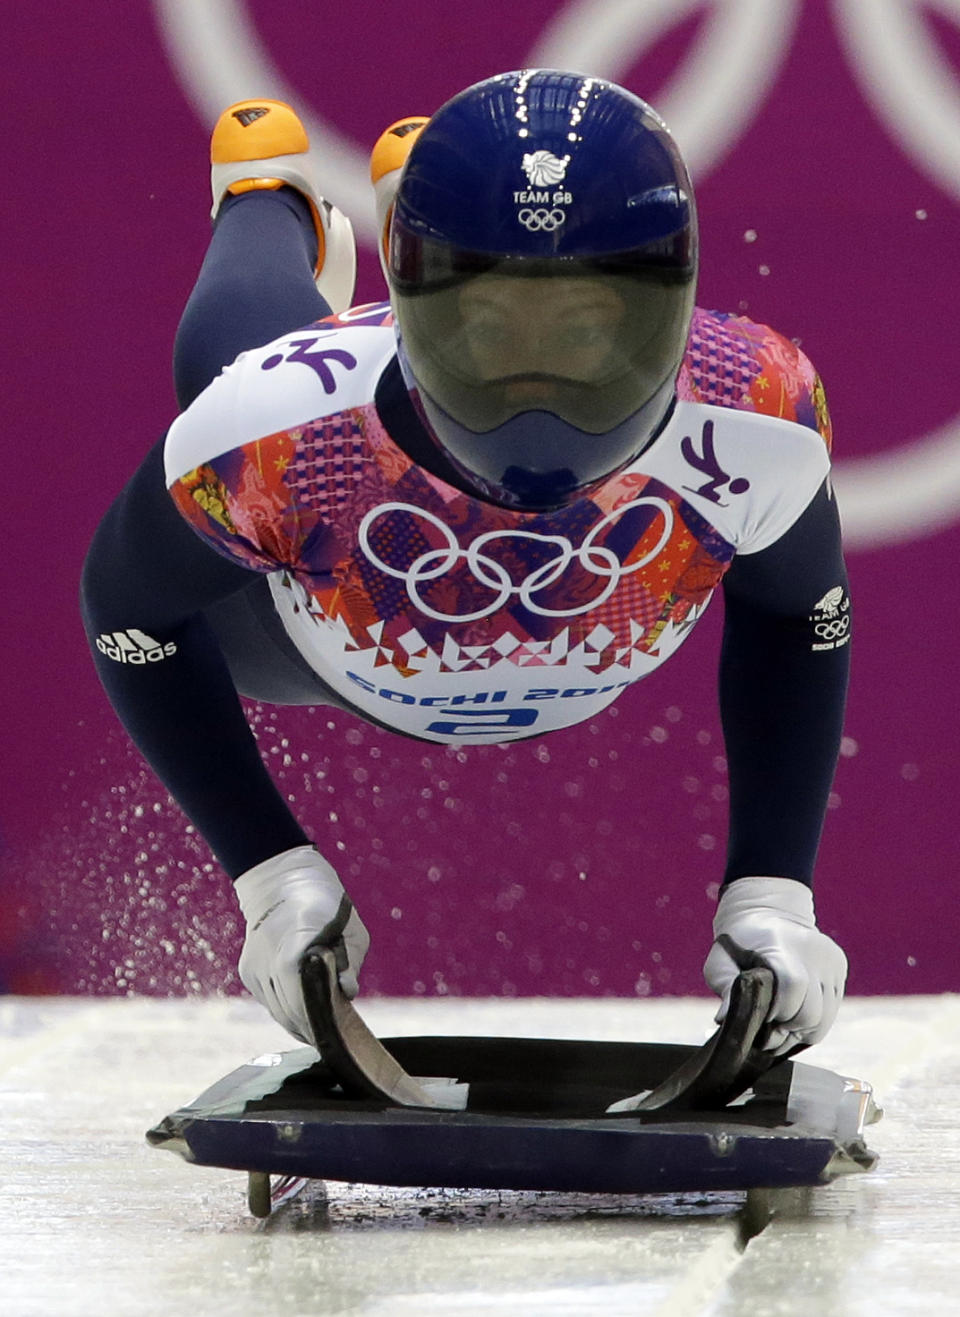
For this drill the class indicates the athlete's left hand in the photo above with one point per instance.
(771, 921)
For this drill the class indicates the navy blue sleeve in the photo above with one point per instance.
(146, 570)
(783, 681)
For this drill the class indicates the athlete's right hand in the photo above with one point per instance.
(290, 902)
(770, 921)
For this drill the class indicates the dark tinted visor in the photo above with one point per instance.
(589, 341)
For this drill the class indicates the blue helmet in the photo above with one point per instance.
(542, 265)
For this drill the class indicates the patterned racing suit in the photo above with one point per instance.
(294, 520)
(451, 619)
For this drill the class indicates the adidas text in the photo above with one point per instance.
(134, 646)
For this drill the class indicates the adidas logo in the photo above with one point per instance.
(134, 646)
(247, 117)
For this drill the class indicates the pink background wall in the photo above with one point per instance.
(585, 863)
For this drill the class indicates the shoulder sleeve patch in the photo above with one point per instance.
(240, 505)
(275, 503)
(732, 362)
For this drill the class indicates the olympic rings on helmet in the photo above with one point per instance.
(541, 219)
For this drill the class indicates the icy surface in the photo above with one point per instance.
(94, 1221)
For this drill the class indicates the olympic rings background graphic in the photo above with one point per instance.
(709, 104)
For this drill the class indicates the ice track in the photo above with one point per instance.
(93, 1221)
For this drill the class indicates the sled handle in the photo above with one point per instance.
(731, 1060)
(359, 1061)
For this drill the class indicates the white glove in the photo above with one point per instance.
(771, 921)
(289, 902)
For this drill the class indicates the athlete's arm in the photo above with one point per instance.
(148, 570)
(782, 695)
(783, 681)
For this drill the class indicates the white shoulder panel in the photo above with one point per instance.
(301, 377)
(749, 475)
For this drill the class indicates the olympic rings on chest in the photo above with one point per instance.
(433, 564)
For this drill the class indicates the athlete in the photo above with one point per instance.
(481, 511)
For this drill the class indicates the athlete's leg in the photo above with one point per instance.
(256, 282)
(281, 255)
(276, 244)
